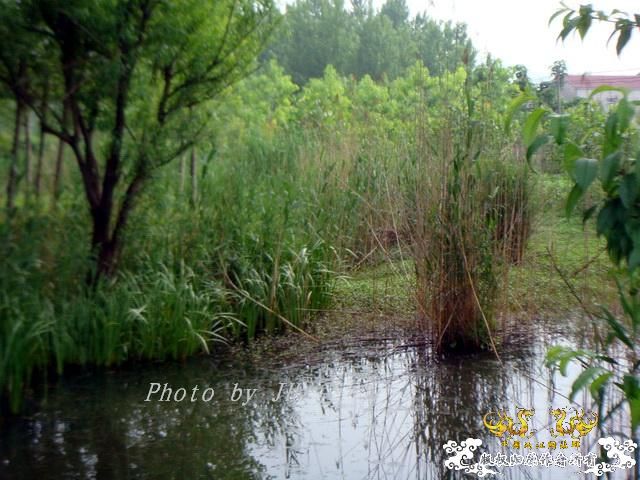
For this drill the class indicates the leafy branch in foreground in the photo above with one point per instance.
(615, 166)
(580, 20)
(617, 171)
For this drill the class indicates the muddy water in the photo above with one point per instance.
(372, 410)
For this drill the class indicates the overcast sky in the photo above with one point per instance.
(517, 31)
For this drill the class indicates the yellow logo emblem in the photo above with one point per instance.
(577, 425)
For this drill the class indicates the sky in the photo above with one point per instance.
(518, 32)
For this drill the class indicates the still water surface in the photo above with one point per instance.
(368, 410)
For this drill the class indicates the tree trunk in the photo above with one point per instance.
(38, 178)
(182, 173)
(57, 177)
(27, 152)
(102, 246)
(13, 165)
(194, 177)
(106, 242)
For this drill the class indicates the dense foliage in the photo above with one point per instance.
(360, 41)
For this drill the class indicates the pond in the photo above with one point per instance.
(361, 409)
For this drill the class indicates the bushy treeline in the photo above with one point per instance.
(359, 40)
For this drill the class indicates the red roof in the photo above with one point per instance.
(592, 81)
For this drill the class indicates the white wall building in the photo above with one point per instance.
(581, 86)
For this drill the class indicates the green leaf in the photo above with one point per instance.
(606, 88)
(617, 328)
(572, 200)
(626, 112)
(626, 306)
(531, 124)
(609, 168)
(606, 219)
(634, 259)
(562, 356)
(564, 363)
(583, 380)
(515, 105)
(612, 137)
(631, 388)
(569, 25)
(634, 407)
(571, 153)
(623, 38)
(557, 14)
(584, 21)
(585, 172)
(535, 146)
(598, 383)
(554, 353)
(628, 189)
(558, 126)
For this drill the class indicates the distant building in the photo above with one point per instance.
(581, 86)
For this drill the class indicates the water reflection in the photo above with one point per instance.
(369, 412)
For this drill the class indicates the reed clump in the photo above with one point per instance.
(469, 214)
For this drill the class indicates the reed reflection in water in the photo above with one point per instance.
(367, 411)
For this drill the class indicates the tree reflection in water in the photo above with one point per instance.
(371, 411)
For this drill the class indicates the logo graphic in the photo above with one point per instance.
(568, 427)
(499, 423)
(578, 425)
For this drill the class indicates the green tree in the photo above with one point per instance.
(314, 34)
(396, 11)
(317, 33)
(442, 46)
(380, 49)
(132, 80)
(324, 104)
(257, 107)
(521, 77)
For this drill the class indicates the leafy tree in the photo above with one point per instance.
(360, 42)
(549, 92)
(324, 103)
(256, 107)
(372, 111)
(131, 78)
(442, 46)
(314, 34)
(380, 49)
(396, 11)
(558, 73)
(521, 75)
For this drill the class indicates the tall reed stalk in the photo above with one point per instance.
(469, 218)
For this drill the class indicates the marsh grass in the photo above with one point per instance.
(426, 199)
(469, 215)
(254, 254)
